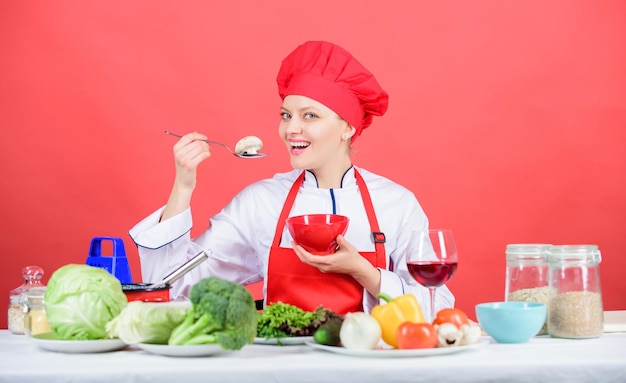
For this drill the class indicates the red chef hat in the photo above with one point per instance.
(329, 74)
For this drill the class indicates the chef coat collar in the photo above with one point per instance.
(348, 179)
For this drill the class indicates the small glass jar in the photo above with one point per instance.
(527, 274)
(35, 320)
(17, 298)
(15, 318)
(575, 309)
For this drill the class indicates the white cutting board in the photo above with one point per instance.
(615, 321)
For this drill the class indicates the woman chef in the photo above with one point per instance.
(328, 99)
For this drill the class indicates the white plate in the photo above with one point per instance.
(287, 341)
(50, 342)
(395, 353)
(191, 350)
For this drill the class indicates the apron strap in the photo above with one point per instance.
(284, 214)
(377, 235)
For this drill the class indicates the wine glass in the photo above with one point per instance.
(431, 260)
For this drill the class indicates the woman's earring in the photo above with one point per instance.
(345, 137)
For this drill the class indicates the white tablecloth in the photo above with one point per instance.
(543, 359)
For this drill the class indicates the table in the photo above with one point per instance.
(543, 359)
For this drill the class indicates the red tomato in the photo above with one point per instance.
(454, 316)
(416, 335)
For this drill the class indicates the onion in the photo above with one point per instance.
(360, 330)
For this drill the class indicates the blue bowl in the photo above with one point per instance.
(511, 322)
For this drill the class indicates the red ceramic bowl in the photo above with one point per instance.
(317, 233)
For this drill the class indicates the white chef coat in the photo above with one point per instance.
(239, 238)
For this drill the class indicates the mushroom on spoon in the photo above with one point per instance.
(247, 147)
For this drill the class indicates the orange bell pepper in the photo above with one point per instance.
(394, 312)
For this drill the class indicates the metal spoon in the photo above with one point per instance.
(240, 155)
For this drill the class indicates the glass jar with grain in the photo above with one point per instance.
(35, 320)
(575, 304)
(32, 276)
(527, 274)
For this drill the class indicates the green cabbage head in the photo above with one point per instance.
(80, 300)
(147, 322)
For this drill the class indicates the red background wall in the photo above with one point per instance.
(506, 118)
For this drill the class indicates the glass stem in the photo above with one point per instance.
(433, 314)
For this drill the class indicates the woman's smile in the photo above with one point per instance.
(298, 146)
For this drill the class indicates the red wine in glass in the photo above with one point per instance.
(431, 259)
(431, 273)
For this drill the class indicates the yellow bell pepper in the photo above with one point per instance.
(394, 312)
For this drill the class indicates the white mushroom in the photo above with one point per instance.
(471, 334)
(249, 145)
(448, 335)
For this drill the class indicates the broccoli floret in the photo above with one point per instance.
(222, 312)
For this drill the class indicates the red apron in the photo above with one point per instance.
(291, 281)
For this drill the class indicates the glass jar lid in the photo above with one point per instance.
(574, 254)
(32, 278)
(527, 251)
